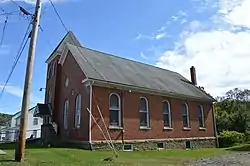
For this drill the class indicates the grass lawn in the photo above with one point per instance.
(76, 157)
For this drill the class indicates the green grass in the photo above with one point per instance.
(76, 157)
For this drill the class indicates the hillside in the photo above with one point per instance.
(3, 118)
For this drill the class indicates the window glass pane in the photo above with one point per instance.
(143, 104)
(185, 120)
(114, 102)
(166, 120)
(35, 121)
(184, 109)
(78, 103)
(199, 111)
(201, 124)
(114, 117)
(66, 109)
(165, 107)
(143, 119)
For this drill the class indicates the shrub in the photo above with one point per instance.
(230, 138)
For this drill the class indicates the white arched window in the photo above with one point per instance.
(201, 116)
(78, 106)
(114, 110)
(167, 114)
(185, 115)
(66, 114)
(144, 113)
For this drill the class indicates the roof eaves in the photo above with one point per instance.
(154, 91)
(200, 89)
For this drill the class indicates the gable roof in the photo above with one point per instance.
(68, 38)
(113, 69)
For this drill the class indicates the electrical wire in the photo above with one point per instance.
(19, 53)
(3, 32)
(113, 148)
(58, 15)
(15, 3)
(2, 9)
(74, 39)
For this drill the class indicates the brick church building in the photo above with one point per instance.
(93, 97)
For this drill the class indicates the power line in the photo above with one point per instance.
(24, 11)
(12, 12)
(74, 40)
(15, 3)
(19, 53)
(58, 15)
(3, 32)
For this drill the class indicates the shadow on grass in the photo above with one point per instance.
(12, 146)
(36, 144)
(241, 148)
(7, 161)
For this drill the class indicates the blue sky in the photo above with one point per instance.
(168, 34)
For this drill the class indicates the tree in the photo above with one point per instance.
(233, 111)
(3, 118)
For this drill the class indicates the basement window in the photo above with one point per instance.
(160, 145)
(188, 145)
(128, 147)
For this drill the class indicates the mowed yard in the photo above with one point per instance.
(74, 157)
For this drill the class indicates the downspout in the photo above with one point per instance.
(215, 127)
(90, 109)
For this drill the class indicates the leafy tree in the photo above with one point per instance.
(233, 111)
(3, 118)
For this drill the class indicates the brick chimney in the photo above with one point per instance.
(193, 75)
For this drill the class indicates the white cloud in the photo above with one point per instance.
(160, 34)
(18, 92)
(221, 56)
(179, 16)
(140, 36)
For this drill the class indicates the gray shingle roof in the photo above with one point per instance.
(68, 38)
(110, 68)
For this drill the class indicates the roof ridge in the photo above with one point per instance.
(116, 56)
(140, 65)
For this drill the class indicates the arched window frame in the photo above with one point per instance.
(66, 114)
(185, 115)
(141, 111)
(118, 123)
(78, 108)
(169, 115)
(201, 118)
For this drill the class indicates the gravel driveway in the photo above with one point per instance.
(230, 159)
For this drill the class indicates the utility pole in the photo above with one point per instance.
(20, 149)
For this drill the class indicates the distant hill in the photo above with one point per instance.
(3, 118)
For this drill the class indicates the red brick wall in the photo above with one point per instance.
(71, 70)
(131, 117)
(51, 83)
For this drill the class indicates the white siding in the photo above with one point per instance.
(14, 127)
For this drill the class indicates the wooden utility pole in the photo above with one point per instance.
(20, 149)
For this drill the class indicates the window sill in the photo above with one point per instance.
(202, 128)
(115, 127)
(187, 128)
(144, 128)
(77, 128)
(168, 128)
